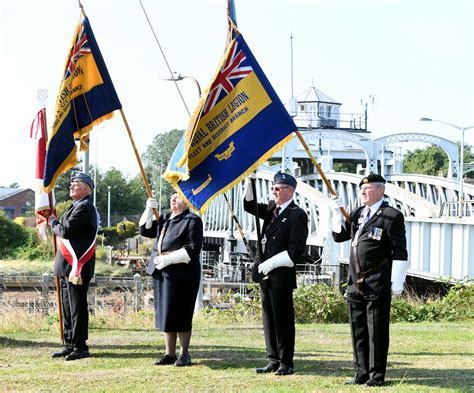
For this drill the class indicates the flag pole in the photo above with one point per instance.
(53, 240)
(321, 173)
(139, 161)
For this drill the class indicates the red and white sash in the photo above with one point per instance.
(71, 258)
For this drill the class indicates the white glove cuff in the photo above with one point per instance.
(399, 270)
(336, 222)
(147, 218)
(248, 190)
(281, 259)
(174, 257)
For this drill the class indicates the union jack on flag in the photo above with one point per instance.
(79, 49)
(235, 68)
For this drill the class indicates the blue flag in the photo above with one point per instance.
(239, 123)
(86, 98)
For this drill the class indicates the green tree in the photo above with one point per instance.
(348, 167)
(431, 160)
(127, 198)
(156, 158)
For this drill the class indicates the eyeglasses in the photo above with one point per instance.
(278, 189)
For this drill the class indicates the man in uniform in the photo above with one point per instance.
(377, 267)
(74, 264)
(284, 234)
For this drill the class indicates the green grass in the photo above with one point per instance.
(423, 357)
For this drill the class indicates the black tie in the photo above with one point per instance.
(276, 212)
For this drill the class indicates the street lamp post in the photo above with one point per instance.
(179, 77)
(461, 163)
(108, 205)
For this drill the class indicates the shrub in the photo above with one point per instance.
(111, 236)
(319, 303)
(102, 254)
(20, 221)
(34, 248)
(455, 306)
(12, 237)
(126, 229)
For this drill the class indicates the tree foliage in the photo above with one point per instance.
(156, 159)
(432, 160)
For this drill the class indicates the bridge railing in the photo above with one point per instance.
(437, 190)
(346, 186)
(218, 222)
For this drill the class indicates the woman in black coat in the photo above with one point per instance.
(176, 272)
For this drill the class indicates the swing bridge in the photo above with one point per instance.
(439, 220)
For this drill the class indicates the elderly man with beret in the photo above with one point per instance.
(74, 263)
(284, 234)
(377, 268)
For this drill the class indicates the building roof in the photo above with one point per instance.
(6, 192)
(312, 94)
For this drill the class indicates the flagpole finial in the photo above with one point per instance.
(43, 97)
(80, 6)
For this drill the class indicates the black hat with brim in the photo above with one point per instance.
(372, 178)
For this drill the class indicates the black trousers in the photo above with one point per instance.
(278, 316)
(370, 320)
(75, 314)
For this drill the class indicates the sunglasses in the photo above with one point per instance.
(277, 189)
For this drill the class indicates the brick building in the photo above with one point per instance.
(16, 201)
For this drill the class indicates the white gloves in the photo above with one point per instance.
(147, 216)
(174, 257)
(397, 288)
(278, 260)
(399, 272)
(336, 223)
(248, 187)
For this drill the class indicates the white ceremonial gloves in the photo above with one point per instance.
(278, 260)
(174, 257)
(399, 273)
(336, 222)
(248, 187)
(147, 216)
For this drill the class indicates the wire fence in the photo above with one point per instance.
(37, 294)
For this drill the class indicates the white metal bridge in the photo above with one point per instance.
(439, 247)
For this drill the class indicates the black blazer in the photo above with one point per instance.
(288, 232)
(383, 236)
(184, 230)
(79, 226)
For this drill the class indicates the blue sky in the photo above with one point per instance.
(414, 56)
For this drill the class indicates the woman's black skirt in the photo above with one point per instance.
(174, 303)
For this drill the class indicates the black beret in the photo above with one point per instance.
(82, 177)
(284, 178)
(372, 178)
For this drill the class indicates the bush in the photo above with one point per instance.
(12, 237)
(20, 221)
(35, 248)
(111, 235)
(455, 306)
(102, 254)
(126, 229)
(319, 303)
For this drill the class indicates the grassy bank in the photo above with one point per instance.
(423, 357)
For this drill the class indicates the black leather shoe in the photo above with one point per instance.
(183, 361)
(63, 353)
(269, 368)
(284, 370)
(166, 360)
(76, 355)
(355, 381)
(374, 383)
